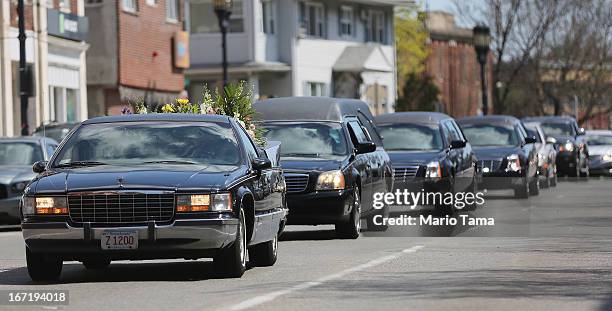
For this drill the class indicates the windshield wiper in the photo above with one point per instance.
(80, 163)
(170, 162)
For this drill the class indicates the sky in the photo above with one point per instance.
(447, 6)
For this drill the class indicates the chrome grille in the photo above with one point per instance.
(403, 172)
(296, 182)
(121, 208)
(492, 165)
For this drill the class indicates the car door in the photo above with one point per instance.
(382, 171)
(529, 150)
(452, 155)
(466, 159)
(363, 163)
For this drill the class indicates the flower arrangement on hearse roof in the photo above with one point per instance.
(236, 101)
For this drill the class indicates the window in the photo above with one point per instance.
(312, 17)
(153, 2)
(172, 11)
(346, 21)
(248, 143)
(267, 11)
(451, 132)
(204, 20)
(422, 137)
(357, 130)
(129, 5)
(375, 27)
(315, 89)
(64, 5)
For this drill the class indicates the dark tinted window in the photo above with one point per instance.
(491, 135)
(531, 132)
(558, 129)
(307, 138)
(19, 153)
(205, 143)
(599, 140)
(358, 131)
(411, 137)
(248, 143)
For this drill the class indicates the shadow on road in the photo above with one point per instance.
(308, 235)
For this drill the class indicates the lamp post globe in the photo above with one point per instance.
(482, 41)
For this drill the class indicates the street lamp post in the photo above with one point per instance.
(482, 40)
(223, 9)
(23, 79)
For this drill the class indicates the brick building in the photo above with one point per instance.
(453, 66)
(56, 31)
(138, 52)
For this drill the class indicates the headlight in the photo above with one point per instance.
(332, 180)
(568, 146)
(433, 170)
(607, 157)
(19, 187)
(221, 202)
(44, 206)
(514, 163)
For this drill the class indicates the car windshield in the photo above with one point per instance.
(411, 137)
(134, 143)
(490, 135)
(558, 129)
(599, 140)
(55, 133)
(531, 132)
(19, 153)
(308, 139)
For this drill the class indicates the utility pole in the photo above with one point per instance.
(23, 79)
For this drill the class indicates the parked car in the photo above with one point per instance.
(572, 149)
(428, 151)
(56, 131)
(506, 154)
(333, 160)
(600, 152)
(154, 186)
(547, 155)
(16, 158)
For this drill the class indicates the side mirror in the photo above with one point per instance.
(260, 164)
(530, 140)
(458, 144)
(551, 140)
(366, 147)
(39, 167)
(581, 131)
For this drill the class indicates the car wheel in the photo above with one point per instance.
(264, 254)
(231, 261)
(523, 191)
(42, 269)
(576, 171)
(553, 180)
(96, 264)
(474, 189)
(372, 226)
(534, 186)
(586, 173)
(351, 229)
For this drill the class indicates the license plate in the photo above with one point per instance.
(119, 240)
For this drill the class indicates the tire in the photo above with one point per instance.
(352, 228)
(586, 174)
(575, 172)
(231, 261)
(96, 264)
(42, 269)
(474, 190)
(523, 191)
(553, 180)
(534, 186)
(264, 254)
(384, 212)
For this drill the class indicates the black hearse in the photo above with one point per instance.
(156, 186)
(332, 157)
(571, 145)
(428, 150)
(506, 155)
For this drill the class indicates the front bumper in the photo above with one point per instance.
(194, 238)
(566, 160)
(597, 166)
(320, 207)
(9, 208)
(502, 180)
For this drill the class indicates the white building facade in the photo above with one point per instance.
(299, 48)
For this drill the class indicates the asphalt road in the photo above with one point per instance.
(550, 252)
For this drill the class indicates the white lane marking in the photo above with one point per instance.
(258, 300)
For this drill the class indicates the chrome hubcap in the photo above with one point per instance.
(242, 241)
(275, 245)
(357, 207)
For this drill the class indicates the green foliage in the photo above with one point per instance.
(419, 93)
(411, 42)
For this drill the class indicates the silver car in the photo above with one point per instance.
(600, 152)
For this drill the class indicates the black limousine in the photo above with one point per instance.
(333, 160)
(157, 186)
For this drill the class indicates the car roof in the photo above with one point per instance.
(550, 119)
(178, 117)
(419, 117)
(310, 108)
(55, 125)
(599, 132)
(28, 139)
(495, 119)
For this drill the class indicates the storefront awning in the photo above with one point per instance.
(363, 58)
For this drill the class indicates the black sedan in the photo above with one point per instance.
(154, 186)
(16, 158)
(571, 145)
(333, 160)
(428, 150)
(506, 154)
